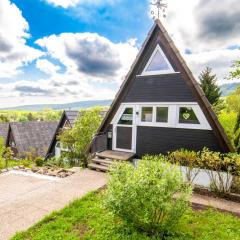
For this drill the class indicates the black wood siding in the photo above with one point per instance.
(155, 140)
(124, 137)
(100, 143)
(160, 88)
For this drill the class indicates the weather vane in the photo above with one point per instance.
(161, 7)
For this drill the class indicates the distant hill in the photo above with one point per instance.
(228, 88)
(72, 106)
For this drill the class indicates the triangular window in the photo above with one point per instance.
(158, 63)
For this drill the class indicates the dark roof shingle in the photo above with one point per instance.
(71, 116)
(33, 135)
(4, 127)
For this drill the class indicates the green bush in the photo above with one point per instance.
(151, 197)
(189, 159)
(77, 139)
(39, 161)
(223, 165)
(2, 148)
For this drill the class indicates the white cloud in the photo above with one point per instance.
(90, 55)
(206, 29)
(72, 3)
(94, 63)
(57, 89)
(46, 66)
(203, 25)
(14, 52)
(220, 60)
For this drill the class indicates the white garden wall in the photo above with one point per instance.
(203, 177)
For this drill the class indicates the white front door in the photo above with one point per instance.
(124, 129)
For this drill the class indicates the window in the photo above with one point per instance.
(157, 63)
(187, 116)
(162, 114)
(147, 114)
(127, 117)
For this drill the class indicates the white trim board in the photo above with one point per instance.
(173, 115)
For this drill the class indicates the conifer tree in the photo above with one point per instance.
(208, 82)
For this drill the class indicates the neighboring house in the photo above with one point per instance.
(31, 136)
(160, 107)
(4, 128)
(67, 121)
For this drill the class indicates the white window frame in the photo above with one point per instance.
(148, 73)
(203, 123)
(154, 118)
(173, 115)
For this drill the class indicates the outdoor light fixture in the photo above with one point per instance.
(109, 134)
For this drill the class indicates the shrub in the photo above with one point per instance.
(188, 160)
(223, 165)
(7, 155)
(39, 161)
(77, 139)
(31, 154)
(1, 152)
(151, 197)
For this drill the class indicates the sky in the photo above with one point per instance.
(59, 51)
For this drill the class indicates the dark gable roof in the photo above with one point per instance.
(71, 116)
(4, 127)
(35, 135)
(172, 51)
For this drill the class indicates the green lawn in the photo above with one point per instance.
(86, 219)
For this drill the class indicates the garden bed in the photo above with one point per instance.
(47, 170)
(87, 219)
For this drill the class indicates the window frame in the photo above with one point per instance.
(197, 123)
(149, 73)
(203, 124)
(167, 114)
(154, 118)
(142, 113)
(173, 116)
(120, 116)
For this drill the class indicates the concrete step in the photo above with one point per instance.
(102, 161)
(95, 166)
(118, 155)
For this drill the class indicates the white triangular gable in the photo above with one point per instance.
(158, 63)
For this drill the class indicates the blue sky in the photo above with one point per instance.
(56, 51)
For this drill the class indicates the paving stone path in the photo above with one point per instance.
(221, 204)
(25, 199)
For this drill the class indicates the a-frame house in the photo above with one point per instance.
(160, 107)
(67, 121)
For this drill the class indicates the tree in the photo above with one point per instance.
(77, 139)
(233, 101)
(235, 73)
(237, 134)
(208, 82)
